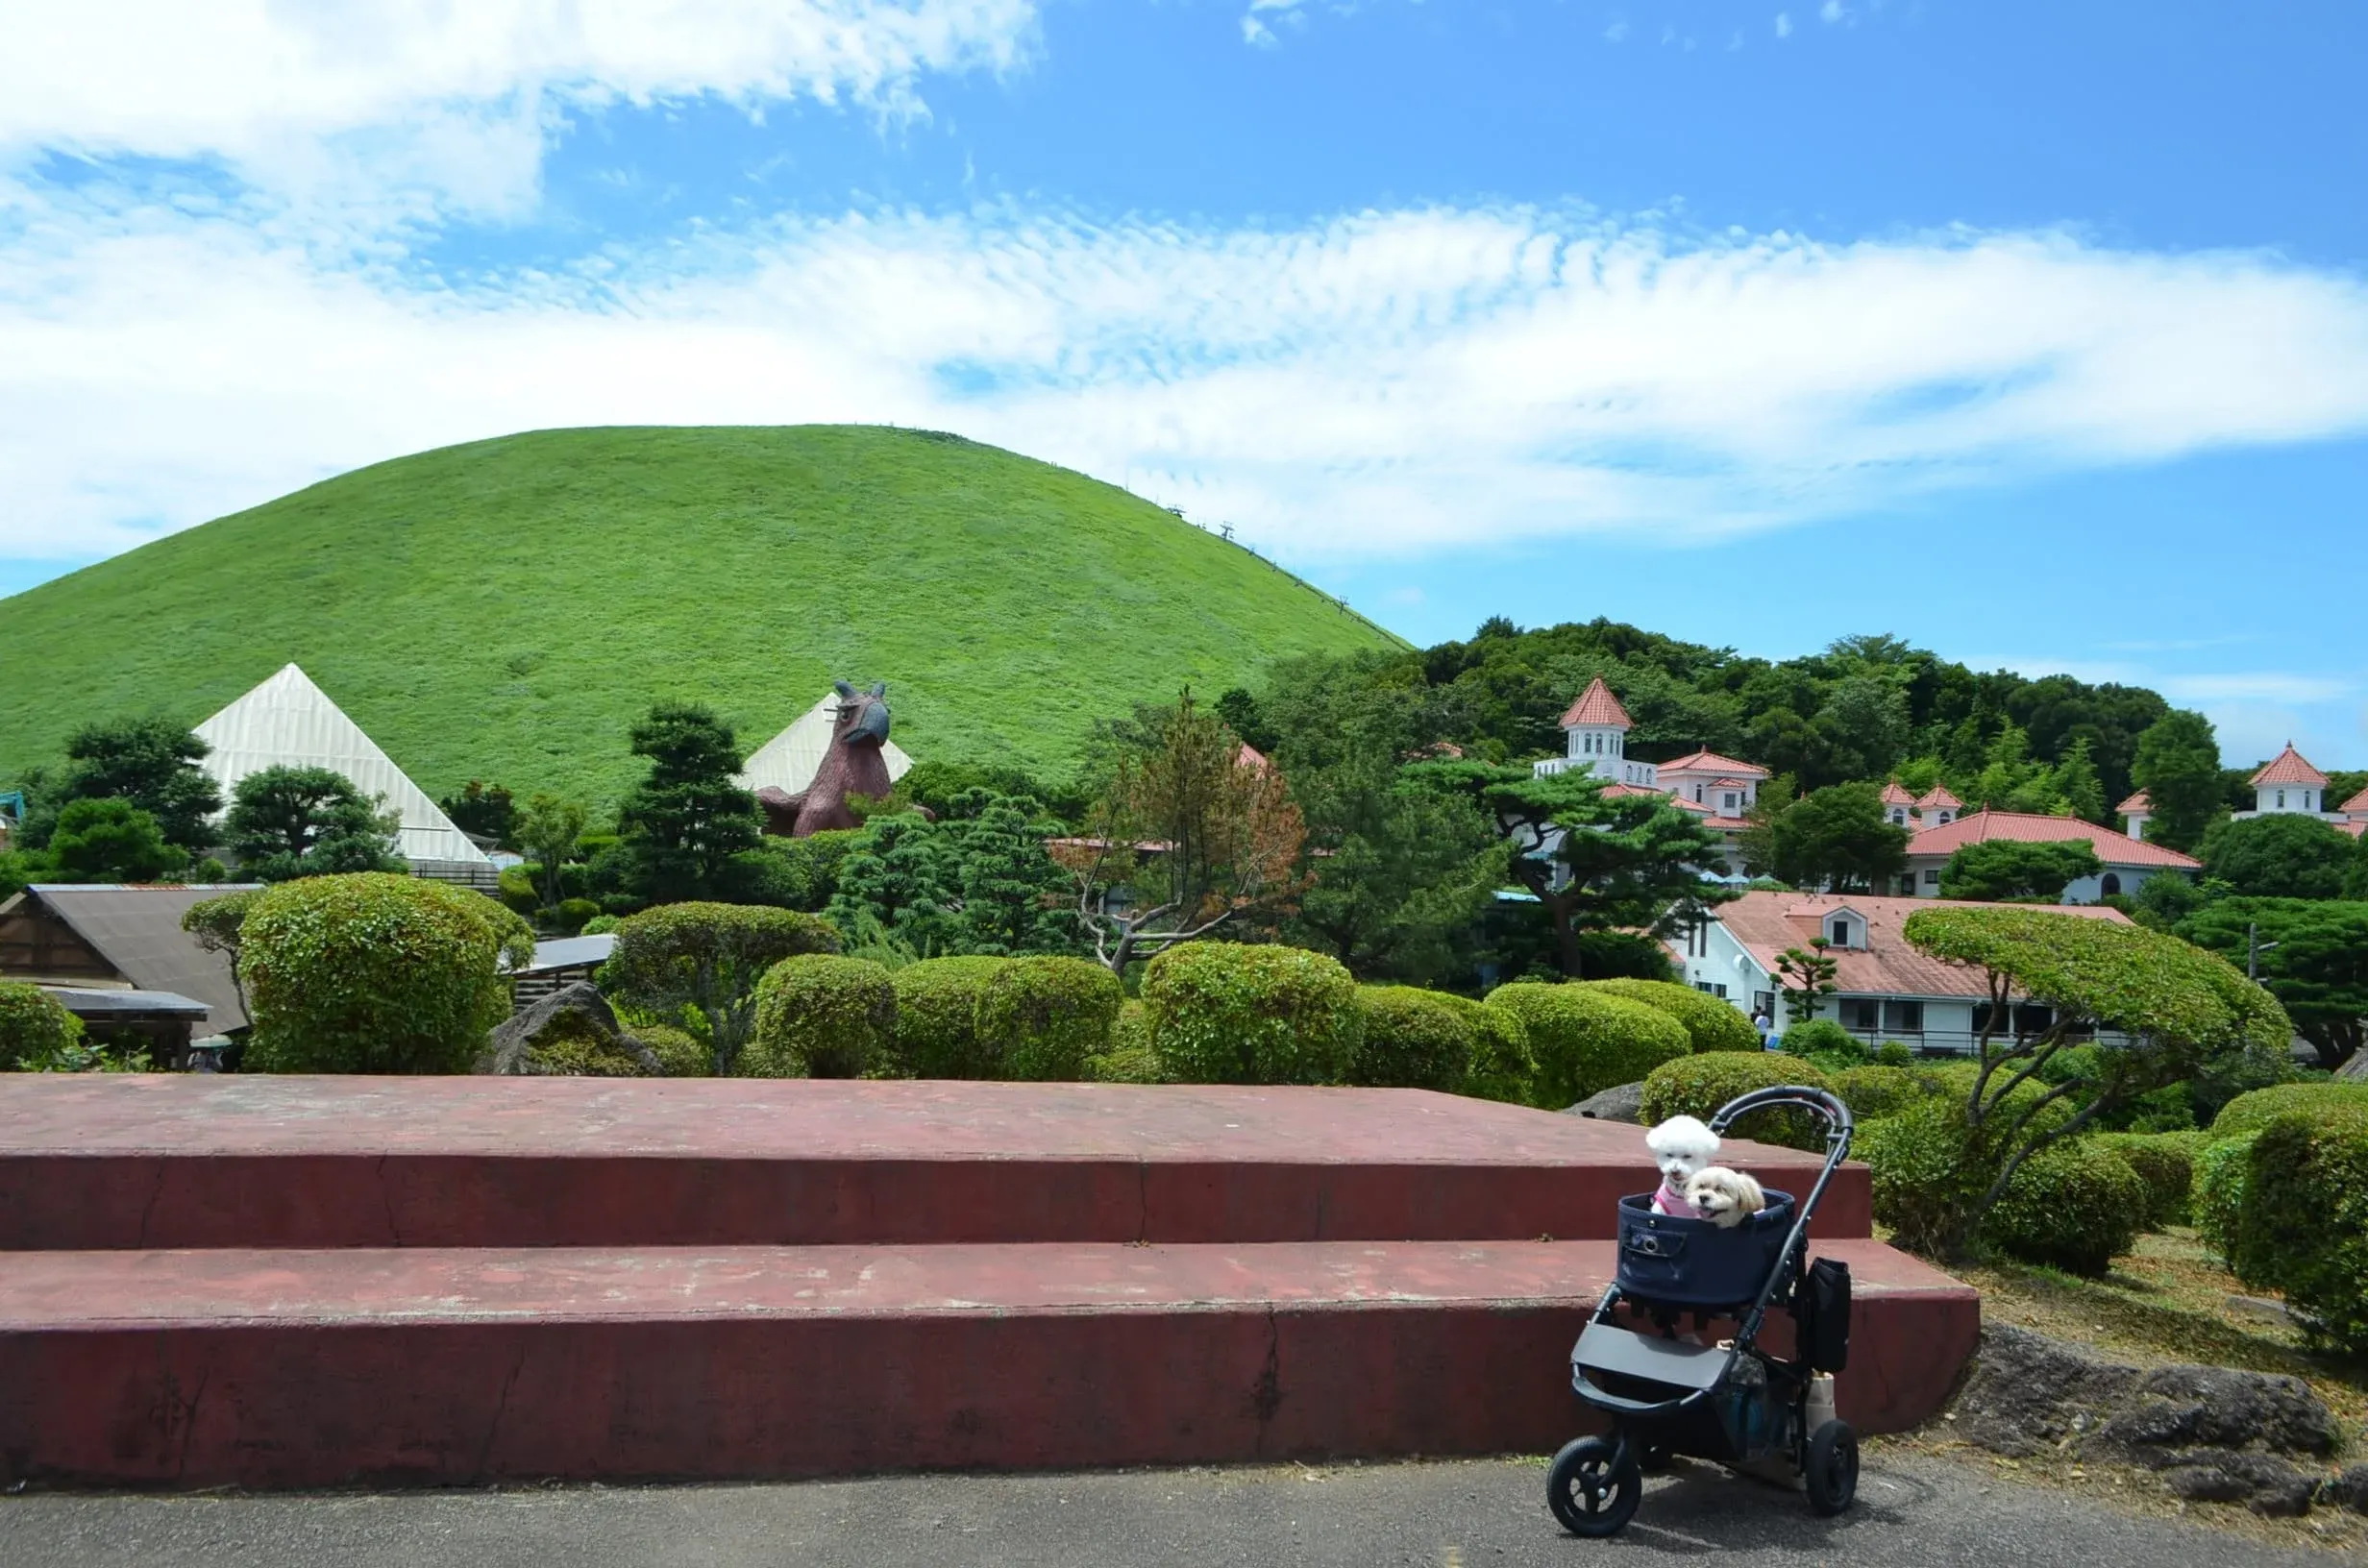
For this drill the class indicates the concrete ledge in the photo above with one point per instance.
(426, 1366)
(165, 1161)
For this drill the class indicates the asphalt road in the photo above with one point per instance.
(1912, 1513)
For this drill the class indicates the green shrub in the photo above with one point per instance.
(519, 892)
(1710, 1024)
(1823, 1040)
(1502, 1067)
(1929, 1168)
(1130, 1058)
(2074, 1206)
(1872, 1093)
(2165, 1162)
(600, 925)
(680, 1052)
(1223, 1012)
(710, 957)
(2303, 1228)
(2250, 1113)
(937, 1016)
(374, 972)
(820, 1016)
(1585, 1041)
(1697, 1086)
(1415, 1039)
(34, 1027)
(1894, 1053)
(1041, 1017)
(2218, 1198)
(571, 915)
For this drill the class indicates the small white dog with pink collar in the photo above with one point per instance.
(1683, 1147)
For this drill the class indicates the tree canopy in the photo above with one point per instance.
(2282, 855)
(687, 822)
(2006, 869)
(1836, 838)
(152, 763)
(2178, 765)
(289, 823)
(2313, 957)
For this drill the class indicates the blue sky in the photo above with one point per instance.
(2035, 333)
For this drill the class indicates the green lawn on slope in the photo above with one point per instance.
(504, 610)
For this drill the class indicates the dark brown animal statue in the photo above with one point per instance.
(852, 766)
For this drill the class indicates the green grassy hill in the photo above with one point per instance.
(504, 610)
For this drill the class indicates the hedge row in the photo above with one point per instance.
(1024, 1018)
(1585, 1041)
(1710, 1023)
(34, 1027)
(2301, 1220)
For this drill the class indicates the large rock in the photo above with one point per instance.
(2030, 1394)
(1624, 1102)
(2212, 1433)
(2355, 1070)
(572, 1033)
(2214, 1407)
(2350, 1489)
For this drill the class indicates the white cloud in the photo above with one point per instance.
(455, 98)
(1783, 24)
(1830, 11)
(1617, 31)
(1386, 380)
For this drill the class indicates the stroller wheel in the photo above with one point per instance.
(1831, 1468)
(1593, 1486)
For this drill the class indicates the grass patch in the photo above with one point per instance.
(504, 610)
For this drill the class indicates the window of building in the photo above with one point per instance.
(2282, 800)
(1728, 799)
(1902, 1018)
(2112, 884)
(1839, 933)
(1764, 1002)
(1932, 876)
(1861, 1015)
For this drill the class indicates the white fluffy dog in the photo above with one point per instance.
(1724, 1197)
(1681, 1146)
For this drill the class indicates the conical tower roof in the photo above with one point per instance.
(289, 721)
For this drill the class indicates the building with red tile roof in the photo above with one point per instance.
(2354, 814)
(2287, 783)
(2134, 814)
(1888, 990)
(2127, 861)
(1595, 707)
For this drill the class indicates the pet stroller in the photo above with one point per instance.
(1732, 1403)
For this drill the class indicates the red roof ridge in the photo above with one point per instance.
(1596, 705)
(1704, 758)
(1939, 795)
(2113, 848)
(1894, 794)
(2287, 767)
(2357, 802)
(2136, 802)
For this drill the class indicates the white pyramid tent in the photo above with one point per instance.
(288, 721)
(790, 760)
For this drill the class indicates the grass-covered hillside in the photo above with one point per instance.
(504, 610)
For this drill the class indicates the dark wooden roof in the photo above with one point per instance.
(136, 929)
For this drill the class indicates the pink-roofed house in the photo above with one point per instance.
(2127, 861)
(2134, 814)
(2288, 784)
(1898, 805)
(1889, 989)
(1720, 791)
(1595, 735)
(1936, 807)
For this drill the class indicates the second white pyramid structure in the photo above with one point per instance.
(289, 721)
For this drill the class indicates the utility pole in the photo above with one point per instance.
(2255, 947)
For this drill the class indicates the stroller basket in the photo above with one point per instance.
(1678, 1262)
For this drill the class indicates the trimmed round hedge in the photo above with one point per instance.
(1824, 1037)
(35, 1026)
(2302, 1227)
(2075, 1205)
(709, 956)
(374, 972)
(1873, 1092)
(1042, 1017)
(1502, 1067)
(1929, 1167)
(2165, 1162)
(1585, 1042)
(820, 1016)
(1225, 1012)
(1697, 1086)
(1710, 1024)
(2216, 1198)
(680, 1052)
(2256, 1109)
(1130, 1058)
(1415, 1039)
(937, 1016)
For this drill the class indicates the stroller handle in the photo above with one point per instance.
(1839, 1122)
